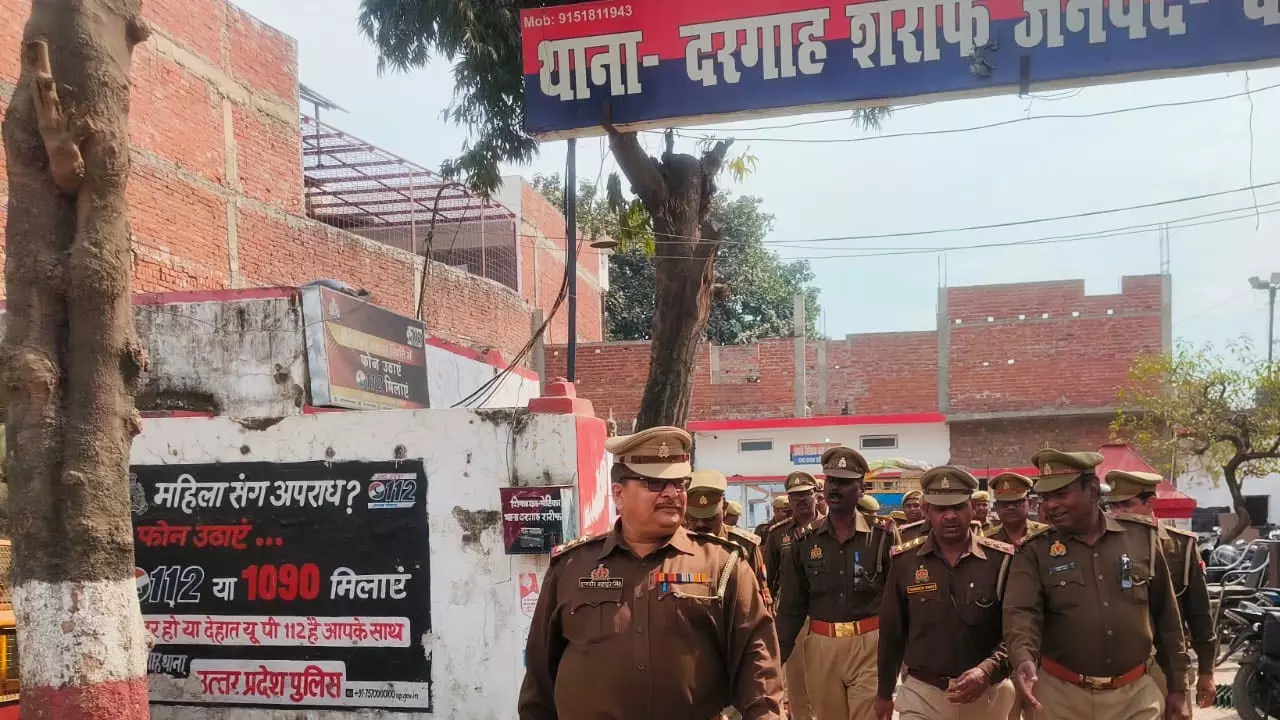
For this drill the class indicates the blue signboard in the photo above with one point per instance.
(660, 63)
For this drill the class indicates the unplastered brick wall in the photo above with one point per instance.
(1075, 359)
(216, 194)
(1011, 443)
(542, 260)
(1043, 346)
(875, 373)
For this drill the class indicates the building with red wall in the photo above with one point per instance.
(1010, 367)
(219, 199)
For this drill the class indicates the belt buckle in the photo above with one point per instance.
(1092, 682)
(846, 630)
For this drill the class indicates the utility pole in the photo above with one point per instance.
(571, 254)
(1270, 286)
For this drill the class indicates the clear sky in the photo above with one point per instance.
(881, 185)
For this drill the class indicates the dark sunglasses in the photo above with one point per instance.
(657, 485)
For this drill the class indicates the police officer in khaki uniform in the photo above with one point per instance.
(803, 505)
(1083, 602)
(834, 576)
(940, 616)
(819, 496)
(733, 513)
(1133, 492)
(1013, 508)
(705, 514)
(650, 620)
(781, 511)
(801, 498)
(982, 510)
(915, 525)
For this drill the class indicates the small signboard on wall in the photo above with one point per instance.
(535, 520)
(361, 356)
(810, 453)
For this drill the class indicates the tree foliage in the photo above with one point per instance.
(756, 288)
(1201, 409)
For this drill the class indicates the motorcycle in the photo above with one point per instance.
(1255, 691)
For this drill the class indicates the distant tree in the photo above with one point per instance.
(1221, 411)
(755, 288)
(676, 190)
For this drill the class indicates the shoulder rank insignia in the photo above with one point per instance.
(1133, 517)
(882, 522)
(1057, 549)
(559, 550)
(1033, 531)
(746, 534)
(1003, 547)
(903, 547)
(724, 542)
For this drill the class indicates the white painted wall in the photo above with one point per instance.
(1210, 493)
(451, 377)
(479, 629)
(927, 442)
(248, 358)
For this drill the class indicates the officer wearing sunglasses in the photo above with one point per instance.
(649, 619)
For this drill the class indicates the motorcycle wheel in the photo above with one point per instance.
(1250, 694)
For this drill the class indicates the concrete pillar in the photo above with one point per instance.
(539, 352)
(823, 407)
(1166, 313)
(799, 330)
(944, 353)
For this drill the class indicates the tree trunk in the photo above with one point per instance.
(71, 361)
(1243, 521)
(677, 192)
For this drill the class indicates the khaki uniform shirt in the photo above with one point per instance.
(827, 580)
(1186, 568)
(779, 540)
(749, 542)
(999, 532)
(942, 620)
(680, 633)
(911, 531)
(1094, 610)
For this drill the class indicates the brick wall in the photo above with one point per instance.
(542, 264)
(1075, 359)
(216, 191)
(1011, 443)
(1009, 342)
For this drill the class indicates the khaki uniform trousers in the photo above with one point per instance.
(917, 700)
(1063, 701)
(841, 676)
(794, 672)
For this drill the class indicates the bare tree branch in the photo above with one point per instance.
(641, 169)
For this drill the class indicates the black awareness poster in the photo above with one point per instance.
(285, 584)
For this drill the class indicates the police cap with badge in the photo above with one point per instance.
(842, 463)
(1010, 486)
(659, 452)
(947, 486)
(800, 481)
(1127, 485)
(706, 491)
(1059, 469)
